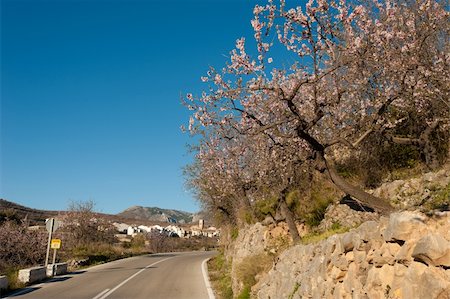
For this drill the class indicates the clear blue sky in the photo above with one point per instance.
(90, 97)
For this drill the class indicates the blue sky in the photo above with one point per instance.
(90, 97)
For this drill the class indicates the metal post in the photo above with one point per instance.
(54, 256)
(52, 221)
(53, 263)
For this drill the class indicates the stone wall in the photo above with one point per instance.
(250, 242)
(405, 194)
(404, 256)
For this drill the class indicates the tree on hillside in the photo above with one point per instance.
(345, 72)
(20, 247)
(82, 226)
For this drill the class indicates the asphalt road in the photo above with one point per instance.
(159, 276)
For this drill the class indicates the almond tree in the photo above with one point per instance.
(20, 247)
(355, 71)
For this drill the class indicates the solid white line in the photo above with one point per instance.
(101, 294)
(206, 278)
(131, 277)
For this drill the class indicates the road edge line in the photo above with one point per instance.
(206, 279)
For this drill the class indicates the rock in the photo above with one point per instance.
(337, 274)
(340, 262)
(434, 284)
(333, 246)
(405, 194)
(369, 230)
(340, 292)
(421, 281)
(433, 250)
(408, 252)
(350, 256)
(345, 216)
(379, 281)
(404, 255)
(351, 240)
(351, 282)
(360, 256)
(250, 242)
(384, 255)
(405, 226)
(268, 220)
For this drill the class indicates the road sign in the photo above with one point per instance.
(55, 244)
(52, 225)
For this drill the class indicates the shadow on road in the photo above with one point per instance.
(77, 272)
(161, 255)
(58, 279)
(21, 292)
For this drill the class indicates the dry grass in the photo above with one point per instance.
(317, 237)
(249, 268)
(219, 270)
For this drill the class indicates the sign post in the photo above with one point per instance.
(55, 244)
(51, 225)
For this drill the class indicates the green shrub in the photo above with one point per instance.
(321, 197)
(296, 287)
(266, 207)
(234, 233)
(13, 278)
(245, 294)
(219, 270)
(138, 241)
(317, 237)
(440, 200)
(293, 197)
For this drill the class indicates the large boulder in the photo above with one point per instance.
(433, 249)
(405, 226)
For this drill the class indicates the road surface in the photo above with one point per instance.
(159, 276)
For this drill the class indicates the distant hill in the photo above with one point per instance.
(10, 209)
(156, 214)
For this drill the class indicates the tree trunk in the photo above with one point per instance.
(380, 205)
(289, 216)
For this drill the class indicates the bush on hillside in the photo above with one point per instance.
(20, 247)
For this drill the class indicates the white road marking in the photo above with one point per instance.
(130, 278)
(206, 278)
(101, 294)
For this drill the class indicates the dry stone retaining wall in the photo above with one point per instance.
(404, 256)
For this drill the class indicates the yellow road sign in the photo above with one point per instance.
(55, 244)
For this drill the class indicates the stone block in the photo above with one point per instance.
(405, 226)
(3, 283)
(59, 269)
(433, 249)
(31, 275)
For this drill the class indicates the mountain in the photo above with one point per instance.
(156, 214)
(12, 210)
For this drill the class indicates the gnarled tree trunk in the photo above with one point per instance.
(289, 216)
(378, 204)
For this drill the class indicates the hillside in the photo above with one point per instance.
(34, 216)
(156, 214)
(145, 215)
(351, 253)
